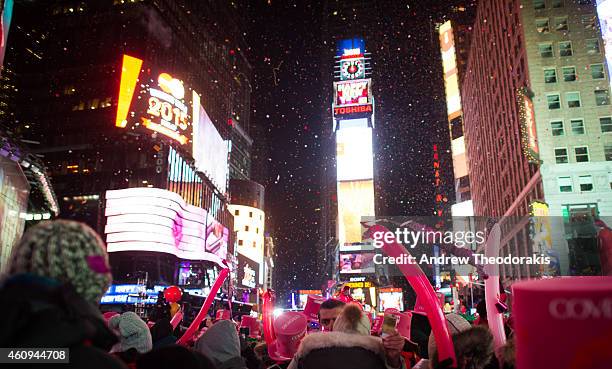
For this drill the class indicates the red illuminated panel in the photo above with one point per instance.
(130, 70)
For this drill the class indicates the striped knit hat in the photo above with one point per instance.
(67, 251)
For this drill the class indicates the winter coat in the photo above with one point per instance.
(221, 344)
(41, 312)
(339, 350)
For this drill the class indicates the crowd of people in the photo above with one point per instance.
(60, 270)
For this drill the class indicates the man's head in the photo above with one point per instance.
(330, 310)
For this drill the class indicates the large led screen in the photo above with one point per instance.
(210, 151)
(355, 200)
(449, 66)
(604, 12)
(354, 158)
(152, 219)
(357, 263)
(390, 298)
(153, 101)
(248, 272)
(217, 237)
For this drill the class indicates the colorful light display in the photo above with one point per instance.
(155, 101)
(152, 219)
(529, 136)
(390, 298)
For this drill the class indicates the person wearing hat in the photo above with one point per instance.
(56, 276)
(456, 324)
(134, 337)
(349, 345)
(220, 343)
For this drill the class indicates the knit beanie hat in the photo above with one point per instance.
(352, 319)
(456, 324)
(67, 251)
(133, 332)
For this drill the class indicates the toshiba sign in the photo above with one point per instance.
(356, 111)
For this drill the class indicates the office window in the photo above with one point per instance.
(561, 156)
(565, 184)
(610, 179)
(550, 75)
(554, 101)
(569, 74)
(542, 25)
(582, 154)
(561, 24)
(250, 214)
(565, 48)
(602, 97)
(589, 22)
(556, 4)
(240, 242)
(557, 128)
(573, 99)
(254, 244)
(606, 124)
(592, 46)
(246, 228)
(539, 4)
(236, 212)
(597, 71)
(546, 50)
(577, 126)
(608, 152)
(586, 183)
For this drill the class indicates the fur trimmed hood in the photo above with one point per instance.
(339, 339)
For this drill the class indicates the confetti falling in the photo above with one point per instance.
(291, 105)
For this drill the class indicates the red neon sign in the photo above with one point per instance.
(353, 109)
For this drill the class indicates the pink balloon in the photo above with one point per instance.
(268, 316)
(419, 282)
(494, 317)
(204, 310)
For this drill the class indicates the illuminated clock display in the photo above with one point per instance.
(352, 69)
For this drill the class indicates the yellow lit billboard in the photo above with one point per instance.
(449, 66)
(355, 200)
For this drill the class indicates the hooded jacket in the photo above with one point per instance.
(339, 350)
(41, 312)
(220, 343)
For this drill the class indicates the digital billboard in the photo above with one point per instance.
(248, 272)
(155, 101)
(210, 150)
(152, 219)
(7, 13)
(352, 68)
(357, 263)
(449, 67)
(355, 200)
(350, 47)
(217, 237)
(390, 298)
(352, 99)
(131, 294)
(604, 12)
(354, 157)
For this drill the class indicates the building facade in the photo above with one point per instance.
(504, 180)
(573, 115)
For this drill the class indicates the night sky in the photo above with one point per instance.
(291, 110)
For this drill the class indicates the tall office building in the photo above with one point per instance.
(129, 105)
(536, 109)
(504, 176)
(573, 117)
